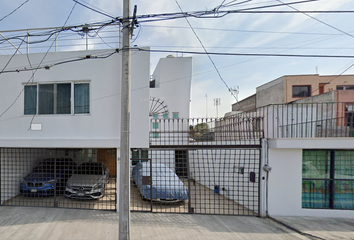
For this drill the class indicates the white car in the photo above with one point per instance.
(88, 181)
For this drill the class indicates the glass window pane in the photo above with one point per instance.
(301, 91)
(81, 98)
(315, 193)
(30, 100)
(344, 194)
(344, 179)
(316, 164)
(155, 125)
(315, 171)
(344, 164)
(175, 115)
(165, 115)
(46, 99)
(155, 116)
(63, 98)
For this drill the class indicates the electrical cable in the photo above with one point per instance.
(248, 54)
(211, 60)
(35, 71)
(318, 20)
(48, 66)
(335, 77)
(13, 55)
(246, 31)
(14, 10)
(92, 9)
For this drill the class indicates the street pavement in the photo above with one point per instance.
(34, 223)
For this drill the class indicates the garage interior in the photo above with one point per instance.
(28, 177)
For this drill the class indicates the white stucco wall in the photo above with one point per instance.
(100, 128)
(285, 178)
(173, 84)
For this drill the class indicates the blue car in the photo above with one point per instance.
(165, 185)
(48, 178)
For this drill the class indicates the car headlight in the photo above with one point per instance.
(98, 186)
(50, 181)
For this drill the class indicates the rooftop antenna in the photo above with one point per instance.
(217, 103)
(206, 105)
(235, 91)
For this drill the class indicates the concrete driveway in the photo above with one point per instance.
(33, 223)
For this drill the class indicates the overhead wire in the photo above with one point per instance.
(95, 10)
(45, 55)
(245, 31)
(318, 20)
(205, 50)
(14, 10)
(247, 54)
(33, 73)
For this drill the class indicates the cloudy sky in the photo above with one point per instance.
(270, 33)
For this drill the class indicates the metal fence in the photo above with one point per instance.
(203, 166)
(201, 181)
(65, 178)
(245, 129)
(308, 120)
(297, 120)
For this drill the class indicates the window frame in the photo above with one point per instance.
(301, 86)
(55, 84)
(345, 87)
(324, 189)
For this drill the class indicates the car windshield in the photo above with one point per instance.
(89, 169)
(47, 168)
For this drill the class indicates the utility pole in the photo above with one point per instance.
(124, 186)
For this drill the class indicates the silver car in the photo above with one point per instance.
(88, 181)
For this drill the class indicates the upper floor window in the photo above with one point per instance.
(302, 91)
(57, 98)
(347, 87)
(175, 115)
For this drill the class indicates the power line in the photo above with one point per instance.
(14, 10)
(318, 20)
(34, 72)
(49, 66)
(95, 10)
(245, 31)
(337, 76)
(248, 54)
(211, 60)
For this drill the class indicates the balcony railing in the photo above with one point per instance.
(305, 120)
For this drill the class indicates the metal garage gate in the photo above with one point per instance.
(204, 166)
(64, 178)
(202, 181)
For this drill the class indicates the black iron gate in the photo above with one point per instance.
(205, 166)
(66, 178)
(203, 181)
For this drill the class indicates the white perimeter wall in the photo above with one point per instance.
(221, 167)
(173, 84)
(285, 178)
(100, 128)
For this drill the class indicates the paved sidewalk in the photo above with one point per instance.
(20, 223)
